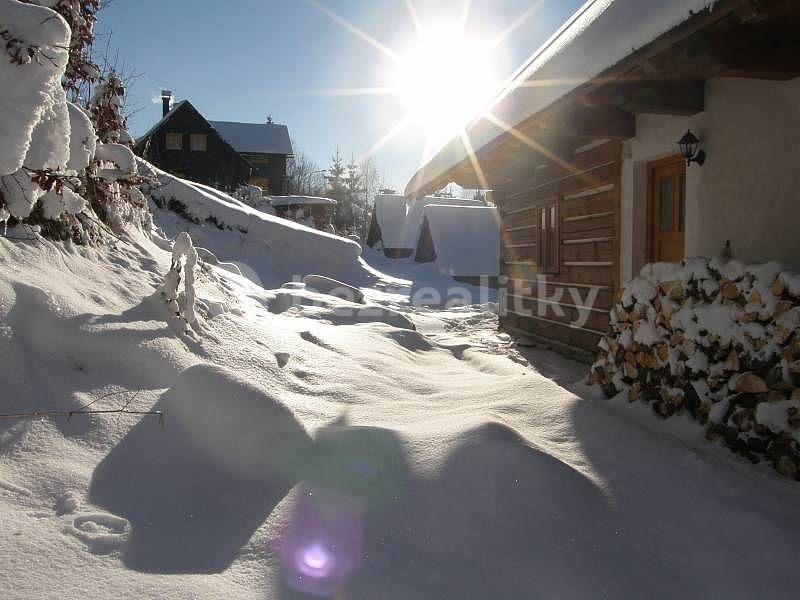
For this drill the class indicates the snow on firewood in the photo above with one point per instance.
(717, 340)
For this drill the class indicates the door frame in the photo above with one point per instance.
(651, 204)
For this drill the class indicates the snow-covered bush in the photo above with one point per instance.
(50, 161)
(105, 109)
(249, 194)
(34, 127)
(184, 259)
(718, 340)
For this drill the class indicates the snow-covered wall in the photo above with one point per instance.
(749, 187)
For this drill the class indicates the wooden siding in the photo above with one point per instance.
(586, 192)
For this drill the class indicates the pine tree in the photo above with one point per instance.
(337, 189)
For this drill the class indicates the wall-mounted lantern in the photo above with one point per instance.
(690, 149)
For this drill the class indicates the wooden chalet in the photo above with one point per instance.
(581, 153)
(221, 154)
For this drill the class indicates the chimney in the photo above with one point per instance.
(166, 101)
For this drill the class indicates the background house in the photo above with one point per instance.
(581, 152)
(266, 146)
(221, 154)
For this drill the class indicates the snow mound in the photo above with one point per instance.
(271, 250)
(194, 491)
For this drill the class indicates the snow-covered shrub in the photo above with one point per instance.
(105, 109)
(184, 259)
(249, 194)
(81, 16)
(113, 176)
(49, 157)
(718, 340)
(34, 126)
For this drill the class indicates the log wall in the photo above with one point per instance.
(586, 191)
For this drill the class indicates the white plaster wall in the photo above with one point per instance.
(748, 191)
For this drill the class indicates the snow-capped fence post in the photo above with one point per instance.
(184, 259)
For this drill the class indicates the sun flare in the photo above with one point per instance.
(444, 79)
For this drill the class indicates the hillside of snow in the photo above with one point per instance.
(309, 448)
(268, 249)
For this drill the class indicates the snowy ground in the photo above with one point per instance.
(429, 463)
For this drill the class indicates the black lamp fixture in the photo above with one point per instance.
(690, 149)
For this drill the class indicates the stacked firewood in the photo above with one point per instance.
(715, 340)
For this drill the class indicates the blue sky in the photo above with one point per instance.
(241, 60)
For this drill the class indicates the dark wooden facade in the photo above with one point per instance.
(268, 172)
(560, 237)
(219, 165)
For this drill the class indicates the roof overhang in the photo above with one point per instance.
(611, 60)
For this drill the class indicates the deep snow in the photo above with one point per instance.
(426, 460)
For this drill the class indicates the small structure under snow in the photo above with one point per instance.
(463, 241)
(396, 224)
(309, 210)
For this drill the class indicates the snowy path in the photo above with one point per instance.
(461, 472)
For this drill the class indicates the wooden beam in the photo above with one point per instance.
(666, 97)
(600, 122)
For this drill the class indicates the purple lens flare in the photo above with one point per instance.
(322, 545)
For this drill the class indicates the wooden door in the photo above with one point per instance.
(667, 209)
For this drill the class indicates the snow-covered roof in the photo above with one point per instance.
(598, 36)
(400, 224)
(259, 138)
(466, 239)
(292, 200)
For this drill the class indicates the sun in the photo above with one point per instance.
(444, 79)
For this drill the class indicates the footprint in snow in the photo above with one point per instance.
(102, 533)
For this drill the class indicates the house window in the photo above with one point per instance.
(174, 141)
(547, 239)
(198, 142)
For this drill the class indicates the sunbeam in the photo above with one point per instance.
(390, 135)
(464, 16)
(412, 11)
(342, 22)
(531, 143)
(473, 159)
(527, 14)
(334, 92)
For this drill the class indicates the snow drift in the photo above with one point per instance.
(268, 249)
(466, 474)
